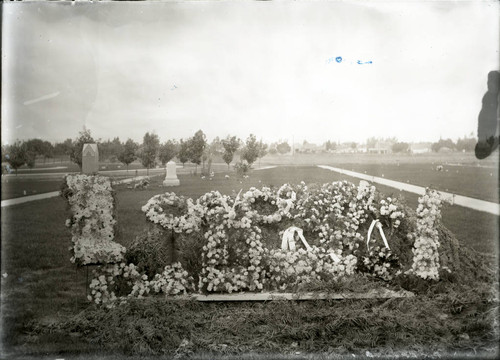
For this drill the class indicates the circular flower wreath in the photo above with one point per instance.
(261, 205)
(172, 212)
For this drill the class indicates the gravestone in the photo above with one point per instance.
(171, 178)
(90, 159)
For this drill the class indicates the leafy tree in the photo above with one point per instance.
(283, 147)
(211, 150)
(110, 150)
(149, 150)
(354, 145)
(75, 153)
(262, 150)
(330, 145)
(183, 154)
(273, 151)
(371, 142)
(35, 145)
(400, 147)
(47, 150)
(448, 143)
(466, 144)
(197, 146)
(30, 159)
(128, 153)
(63, 148)
(230, 144)
(38, 147)
(16, 156)
(250, 152)
(167, 151)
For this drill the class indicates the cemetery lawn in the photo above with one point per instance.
(44, 307)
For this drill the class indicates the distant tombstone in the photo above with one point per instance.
(171, 178)
(90, 159)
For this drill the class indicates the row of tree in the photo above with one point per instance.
(462, 144)
(195, 149)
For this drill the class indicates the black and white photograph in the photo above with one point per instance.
(252, 180)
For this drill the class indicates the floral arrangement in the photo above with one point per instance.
(92, 221)
(349, 230)
(172, 212)
(117, 282)
(425, 248)
(142, 184)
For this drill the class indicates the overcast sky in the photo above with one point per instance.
(280, 70)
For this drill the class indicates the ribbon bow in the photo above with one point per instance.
(288, 241)
(230, 210)
(379, 226)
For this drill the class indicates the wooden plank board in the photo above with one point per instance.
(270, 296)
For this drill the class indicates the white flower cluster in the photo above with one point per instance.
(244, 243)
(172, 212)
(335, 212)
(126, 279)
(379, 263)
(108, 279)
(288, 269)
(92, 221)
(173, 281)
(425, 248)
(389, 209)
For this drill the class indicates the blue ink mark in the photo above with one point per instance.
(175, 87)
(338, 59)
(366, 62)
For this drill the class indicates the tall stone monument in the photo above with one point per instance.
(171, 179)
(90, 159)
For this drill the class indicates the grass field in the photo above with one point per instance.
(43, 290)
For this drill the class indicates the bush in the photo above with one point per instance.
(242, 168)
(151, 251)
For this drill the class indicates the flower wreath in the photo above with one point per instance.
(256, 202)
(172, 212)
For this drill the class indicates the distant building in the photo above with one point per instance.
(381, 147)
(310, 148)
(421, 148)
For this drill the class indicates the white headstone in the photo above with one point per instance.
(171, 178)
(90, 159)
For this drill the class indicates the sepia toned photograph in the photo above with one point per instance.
(250, 179)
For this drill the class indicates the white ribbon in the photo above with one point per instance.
(288, 241)
(236, 202)
(289, 202)
(379, 226)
